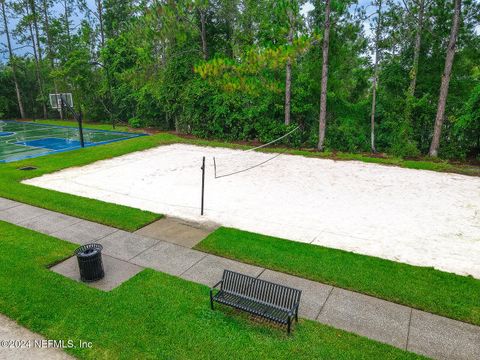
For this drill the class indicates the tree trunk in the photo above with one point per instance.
(47, 33)
(100, 20)
(323, 95)
(67, 19)
(12, 62)
(416, 53)
(35, 26)
(288, 73)
(35, 47)
(229, 33)
(442, 99)
(375, 79)
(203, 33)
(50, 54)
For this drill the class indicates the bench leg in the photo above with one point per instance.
(296, 316)
(289, 324)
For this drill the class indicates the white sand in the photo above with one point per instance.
(411, 216)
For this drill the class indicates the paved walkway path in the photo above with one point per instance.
(398, 325)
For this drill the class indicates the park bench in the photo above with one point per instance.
(271, 301)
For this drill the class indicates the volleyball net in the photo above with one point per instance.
(242, 161)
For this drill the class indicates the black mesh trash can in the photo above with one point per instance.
(90, 262)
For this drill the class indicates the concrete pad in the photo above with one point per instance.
(116, 272)
(169, 258)
(84, 232)
(367, 316)
(50, 223)
(18, 214)
(124, 245)
(209, 270)
(7, 204)
(314, 294)
(176, 231)
(443, 338)
(10, 330)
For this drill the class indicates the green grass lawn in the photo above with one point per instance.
(432, 291)
(152, 316)
(423, 288)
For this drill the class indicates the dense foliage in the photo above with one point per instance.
(217, 68)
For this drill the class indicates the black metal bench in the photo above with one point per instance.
(272, 301)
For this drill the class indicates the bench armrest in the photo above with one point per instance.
(215, 286)
(211, 292)
(295, 308)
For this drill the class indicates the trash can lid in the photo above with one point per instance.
(88, 250)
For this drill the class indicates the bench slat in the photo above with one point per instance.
(254, 307)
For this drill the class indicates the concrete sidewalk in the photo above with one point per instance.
(387, 322)
(30, 346)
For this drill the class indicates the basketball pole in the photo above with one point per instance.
(78, 117)
(203, 183)
(80, 130)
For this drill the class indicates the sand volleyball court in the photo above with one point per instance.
(412, 216)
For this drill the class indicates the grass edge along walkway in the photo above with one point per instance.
(153, 315)
(423, 288)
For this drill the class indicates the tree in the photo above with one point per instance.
(447, 72)
(50, 51)
(117, 15)
(35, 20)
(375, 76)
(12, 60)
(67, 9)
(202, 6)
(230, 70)
(27, 33)
(37, 51)
(100, 21)
(405, 145)
(323, 94)
(416, 52)
(468, 125)
(292, 8)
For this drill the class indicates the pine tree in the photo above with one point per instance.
(447, 72)
(323, 95)
(12, 60)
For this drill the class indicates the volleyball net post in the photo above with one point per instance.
(203, 185)
(252, 164)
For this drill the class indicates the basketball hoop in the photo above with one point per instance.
(62, 101)
(56, 100)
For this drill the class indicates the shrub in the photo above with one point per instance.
(136, 123)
